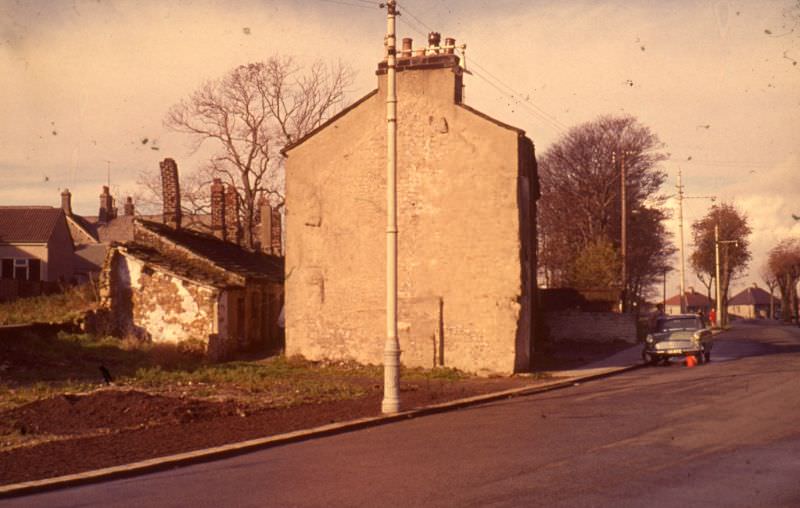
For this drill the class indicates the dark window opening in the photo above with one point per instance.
(34, 269)
(7, 269)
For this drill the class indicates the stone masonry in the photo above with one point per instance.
(467, 187)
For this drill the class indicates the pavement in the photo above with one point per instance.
(623, 361)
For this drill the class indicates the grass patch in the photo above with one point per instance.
(33, 367)
(56, 308)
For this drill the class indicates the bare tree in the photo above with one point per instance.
(784, 262)
(195, 196)
(581, 201)
(249, 115)
(771, 281)
(734, 257)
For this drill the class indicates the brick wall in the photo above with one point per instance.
(171, 193)
(591, 326)
(218, 209)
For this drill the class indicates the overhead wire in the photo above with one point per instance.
(350, 3)
(491, 79)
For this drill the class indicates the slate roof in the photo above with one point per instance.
(178, 266)
(89, 258)
(693, 299)
(750, 296)
(225, 255)
(28, 224)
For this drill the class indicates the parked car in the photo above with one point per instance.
(679, 335)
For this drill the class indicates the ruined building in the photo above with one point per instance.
(172, 284)
(467, 191)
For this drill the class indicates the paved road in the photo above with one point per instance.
(722, 434)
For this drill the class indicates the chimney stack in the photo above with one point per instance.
(277, 237)
(265, 226)
(171, 193)
(407, 43)
(233, 229)
(106, 213)
(66, 201)
(434, 38)
(218, 209)
(129, 208)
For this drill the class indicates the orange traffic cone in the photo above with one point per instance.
(691, 361)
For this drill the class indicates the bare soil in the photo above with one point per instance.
(109, 426)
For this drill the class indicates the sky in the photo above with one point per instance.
(86, 84)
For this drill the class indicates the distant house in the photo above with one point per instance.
(694, 301)
(93, 234)
(467, 192)
(35, 248)
(752, 303)
(174, 285)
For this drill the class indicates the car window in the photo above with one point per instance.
(666, 325)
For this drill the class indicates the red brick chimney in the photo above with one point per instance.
(106, 212)
(128, 208)
(66, 201)
(171, 193)
(233, 229)
(218, 209)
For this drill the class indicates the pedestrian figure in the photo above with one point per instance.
(655, 316)
(712, 317)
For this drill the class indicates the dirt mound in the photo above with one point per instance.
(110, 409)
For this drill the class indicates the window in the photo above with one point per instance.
(34, 269)
(21, 269)
(7, 269)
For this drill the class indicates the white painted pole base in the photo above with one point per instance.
(391, 378)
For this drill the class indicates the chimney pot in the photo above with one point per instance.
(434, 38)
(450, 42)
(407, 44)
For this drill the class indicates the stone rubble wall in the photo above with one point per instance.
(591, 326)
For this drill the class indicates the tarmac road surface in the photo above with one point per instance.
(721, 434)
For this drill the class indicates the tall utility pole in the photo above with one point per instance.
(681, 197)
(716, 266)
(623, 306)
(391, 351)
(680, 230)
(624, 214)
